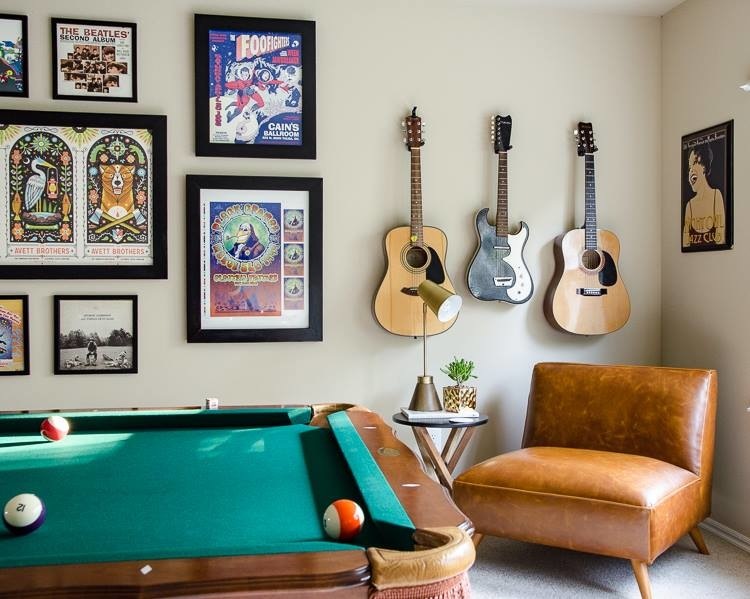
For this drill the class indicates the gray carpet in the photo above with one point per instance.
(513, 570)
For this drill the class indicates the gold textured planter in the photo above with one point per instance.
(457, 397)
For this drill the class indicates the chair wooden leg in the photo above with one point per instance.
(699, 541)
(640, 569)
(477, 538)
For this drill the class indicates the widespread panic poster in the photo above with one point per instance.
(253, 259)
(75, 196)
(255, 87)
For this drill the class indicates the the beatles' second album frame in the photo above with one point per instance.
(94, 60)
(82, 196)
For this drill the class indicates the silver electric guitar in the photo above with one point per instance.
(497, 271)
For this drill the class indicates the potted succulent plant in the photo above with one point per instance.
(459, 395)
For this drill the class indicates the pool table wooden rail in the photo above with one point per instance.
(447, 552)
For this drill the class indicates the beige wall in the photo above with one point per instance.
(459, 62)
(705, 59)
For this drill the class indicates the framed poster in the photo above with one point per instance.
(254, 87)
(96, 334)
(254, 258)
(14, 334)
(14, 56)
(707, 189)
(94, 60)
(82, 196)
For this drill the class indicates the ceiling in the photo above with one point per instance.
(643, 8)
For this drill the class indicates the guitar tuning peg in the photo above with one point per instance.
(404, 140)
(403, 124)
(575, 132)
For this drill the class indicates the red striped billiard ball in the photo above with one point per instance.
(24, 513)
(343, 519)
(55, 428)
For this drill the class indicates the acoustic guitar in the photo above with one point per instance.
(413, 253)
(498, 271)
(588, 296)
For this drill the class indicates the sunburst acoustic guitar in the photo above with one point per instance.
(498, 271)
(587, 295)
(413, 253)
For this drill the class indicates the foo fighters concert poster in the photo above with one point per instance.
(255, 87)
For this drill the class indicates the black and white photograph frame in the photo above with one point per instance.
(254, 87)
(14, 60)
(707, 202)
(14, 335)
(254, 259)
(96, 334)
(94, 60)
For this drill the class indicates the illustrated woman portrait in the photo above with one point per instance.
(704, 221)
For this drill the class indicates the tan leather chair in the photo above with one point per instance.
(615, 460)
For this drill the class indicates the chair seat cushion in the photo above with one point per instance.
(597, 475)
(609, 503)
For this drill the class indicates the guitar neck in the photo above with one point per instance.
(417, 235)
(501, 215)
(592, 240)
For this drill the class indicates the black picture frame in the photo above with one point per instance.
(80, 133)
(124, 63)
(70, 357)
(10, 331)
(24, 80)
(707, 190)
(249, 115)
(219, 206)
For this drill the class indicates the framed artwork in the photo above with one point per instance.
(254, 259)
(14, 334)
(254, 87)
(94, 60)
(82, 196)
(14, 56)
(707, 211)
(96, 334)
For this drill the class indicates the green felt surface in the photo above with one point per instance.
(175, 492)
(381, 502)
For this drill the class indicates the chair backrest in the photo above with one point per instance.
(665, 413)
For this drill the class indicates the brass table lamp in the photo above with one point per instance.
(445, 305)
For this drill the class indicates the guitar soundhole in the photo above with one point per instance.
(417, 257)
(591, 260)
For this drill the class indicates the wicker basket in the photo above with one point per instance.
(457, 397)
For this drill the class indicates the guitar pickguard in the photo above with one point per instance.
(608, 273)
(497, 271)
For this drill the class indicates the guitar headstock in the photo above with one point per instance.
(413, 126)
(585, 139)
(500, 133)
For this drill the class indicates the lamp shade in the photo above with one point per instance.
(441, 302)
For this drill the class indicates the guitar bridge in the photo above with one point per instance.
(503, 281)
(409, 291)
(591, 291)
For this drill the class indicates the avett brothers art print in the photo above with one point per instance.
(76, 196)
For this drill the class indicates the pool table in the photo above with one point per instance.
(192, 502)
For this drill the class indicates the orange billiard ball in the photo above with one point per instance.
(343, 519)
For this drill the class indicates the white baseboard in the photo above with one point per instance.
(728, 534)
